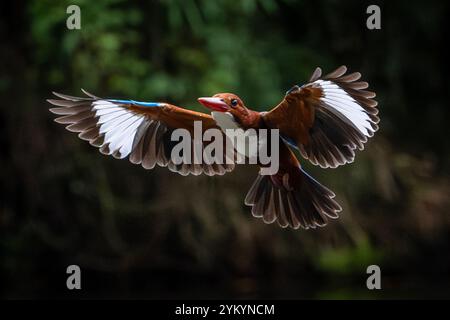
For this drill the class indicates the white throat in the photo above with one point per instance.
(227, 123)
(225, 120)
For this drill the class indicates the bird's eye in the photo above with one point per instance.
(234, 102)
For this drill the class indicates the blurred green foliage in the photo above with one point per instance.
(156, 234)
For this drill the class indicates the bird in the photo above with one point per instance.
(325, 120)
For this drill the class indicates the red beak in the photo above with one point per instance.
(215, 104)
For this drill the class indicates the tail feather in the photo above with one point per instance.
(306, 204)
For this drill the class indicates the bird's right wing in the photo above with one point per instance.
(328, 118)
(140, 130)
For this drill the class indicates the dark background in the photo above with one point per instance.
(156, 234)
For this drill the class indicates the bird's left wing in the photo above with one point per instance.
(140, 130)
(328, 118)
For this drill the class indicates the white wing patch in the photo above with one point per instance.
(119, 125)
(338, 99)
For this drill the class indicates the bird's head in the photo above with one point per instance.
(231, 104)
(224, 102)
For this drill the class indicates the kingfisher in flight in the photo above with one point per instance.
(326, 120)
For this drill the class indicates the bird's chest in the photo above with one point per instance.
(248, 142)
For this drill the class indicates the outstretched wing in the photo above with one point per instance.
(140, 130)
(328, 118)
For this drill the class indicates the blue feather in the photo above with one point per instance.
(289, 141)
(137, 103)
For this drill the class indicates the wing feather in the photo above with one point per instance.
(327, 118)
(138, 130)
